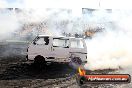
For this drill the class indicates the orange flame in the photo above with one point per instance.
(82, 72)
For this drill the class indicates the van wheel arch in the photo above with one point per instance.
(75, 62)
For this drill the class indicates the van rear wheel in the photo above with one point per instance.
(76, 62)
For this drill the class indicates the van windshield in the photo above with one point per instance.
(59, 42)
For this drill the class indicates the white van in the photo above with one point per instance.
(61, 49)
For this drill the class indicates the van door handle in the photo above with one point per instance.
(53, 49)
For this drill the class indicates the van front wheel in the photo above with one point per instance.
(39, 61)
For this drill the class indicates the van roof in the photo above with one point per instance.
(57, 36)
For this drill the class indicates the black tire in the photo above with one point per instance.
(39, 62)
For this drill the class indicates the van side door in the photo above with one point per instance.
(41, 46)
(60, 47)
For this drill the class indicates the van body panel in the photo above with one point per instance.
(57, 47)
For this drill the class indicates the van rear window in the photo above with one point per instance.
(77, 44)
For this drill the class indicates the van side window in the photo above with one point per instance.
(76, 44)
(61, 42)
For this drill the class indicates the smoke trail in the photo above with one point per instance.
(111, 49)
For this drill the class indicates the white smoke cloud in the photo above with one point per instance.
(8, 24)
(57, 20)
(111, 49)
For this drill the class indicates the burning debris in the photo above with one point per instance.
(81, 71)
